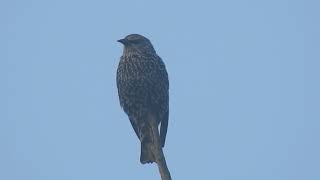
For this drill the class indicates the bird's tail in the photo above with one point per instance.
(146, 155)
(146, 139)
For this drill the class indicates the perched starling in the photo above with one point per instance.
(143, 89)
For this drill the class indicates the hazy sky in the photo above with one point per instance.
(240, 89)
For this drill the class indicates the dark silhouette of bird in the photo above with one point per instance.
(143, 89)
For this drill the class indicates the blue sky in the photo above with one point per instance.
(243, 94)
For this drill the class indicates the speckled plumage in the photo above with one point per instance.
(143, 89)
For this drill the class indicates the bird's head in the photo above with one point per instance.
(135, 43)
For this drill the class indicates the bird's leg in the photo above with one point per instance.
(157, 150)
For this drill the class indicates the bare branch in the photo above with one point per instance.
(158, 153)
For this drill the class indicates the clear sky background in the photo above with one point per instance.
(243, 89)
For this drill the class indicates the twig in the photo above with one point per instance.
(158, 153)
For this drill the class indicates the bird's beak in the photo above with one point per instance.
(123, 41)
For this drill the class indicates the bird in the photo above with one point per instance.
(143, 90)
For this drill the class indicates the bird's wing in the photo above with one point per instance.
(164, 104)
(135, 126)
(164, 128)
(121, 91)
